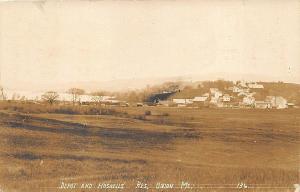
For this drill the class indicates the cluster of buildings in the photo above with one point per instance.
(241, 95)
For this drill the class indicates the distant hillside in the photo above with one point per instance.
(201, 87)
(289, 91)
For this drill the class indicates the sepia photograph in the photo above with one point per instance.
(149, 95)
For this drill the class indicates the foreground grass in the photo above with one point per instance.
(215, 149)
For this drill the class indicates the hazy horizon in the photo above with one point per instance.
(121, 85)
(47, 44)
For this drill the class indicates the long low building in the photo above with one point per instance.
(63, 97)
(200, 99)
(183, 101)
(262, 105)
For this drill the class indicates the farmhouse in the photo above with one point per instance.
(226, 98)
(236, 89)
(215, 93)
(248, 100)
(179, 101)
(281, 103)
(277, 102)
(218, 94)
(200, 99)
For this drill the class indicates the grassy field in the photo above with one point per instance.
(211, 148)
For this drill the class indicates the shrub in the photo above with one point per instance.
(64, 110)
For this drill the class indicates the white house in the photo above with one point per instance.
(216, 93)
(183, 101)
(200, 99)
(236, 89)
(179, 101)
(248, 100)
(245, 92)
(281, 103)
(226, 98)
(277, 102)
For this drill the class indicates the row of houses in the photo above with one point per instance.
(225, 101)
(241, 95)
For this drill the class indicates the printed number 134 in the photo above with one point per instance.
(242, 186)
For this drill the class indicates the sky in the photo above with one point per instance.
(59, 42)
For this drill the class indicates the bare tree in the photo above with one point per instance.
(75, 94)
(50, 97)
(2, 95)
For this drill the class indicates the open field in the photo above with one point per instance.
(216, 148)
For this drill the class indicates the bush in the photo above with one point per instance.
(140, 117)
(64, 110)
(93, 111)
